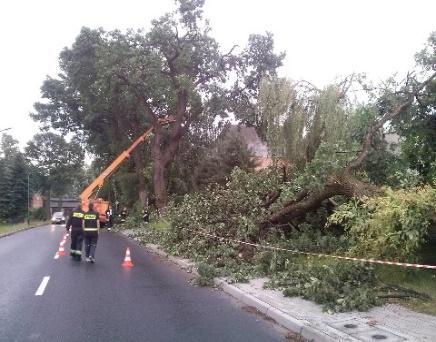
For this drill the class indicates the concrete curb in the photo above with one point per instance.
(20, 230)
(302, 327)
(182, 263)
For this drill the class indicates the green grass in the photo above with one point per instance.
(422, 281)
(159, 225)
(7, 228)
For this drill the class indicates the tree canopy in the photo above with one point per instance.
(14, 171)
(58, 161)
(113, 84)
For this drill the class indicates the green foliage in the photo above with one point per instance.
(204, 159)
(134, 219)
(206, 274)
(427, 57)
(181, 178)
(13, 180)
(113, 85)
(360, 119)
(127, 181)
(418, 130)
(219, 160)
(59, 161)
(298, 120)
(393, 225)
(229, 212)
(38, 215)
(49, 163)
(5, 189)
(310, 238)
(417, 125)
(232, 210)
(19, 189)
(325, 162)
(256, 62)
(338, 286)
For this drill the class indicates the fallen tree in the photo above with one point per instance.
(345, 182)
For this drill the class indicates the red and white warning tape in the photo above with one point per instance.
(371, 261)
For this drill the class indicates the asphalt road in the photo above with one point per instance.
(153, 301)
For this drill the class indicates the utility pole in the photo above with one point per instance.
(28, 199)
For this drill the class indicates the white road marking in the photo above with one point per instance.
(42, 286)
(56, 255)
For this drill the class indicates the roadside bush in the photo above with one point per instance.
(310, 239)
(206, 274)
(134, 219)
(393, 225)
(38, 214)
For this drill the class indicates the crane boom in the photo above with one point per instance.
(100, 205)
(99, 181)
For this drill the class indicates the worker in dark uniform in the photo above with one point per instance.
(109, 218)
(75, 224)
(123, 215)
(91, 226)
(145, 215)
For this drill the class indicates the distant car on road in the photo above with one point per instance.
(58, 218)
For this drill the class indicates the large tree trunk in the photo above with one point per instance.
(163, 153)
(139, 170)
(160, 190)
(162, 158)
(343, 183)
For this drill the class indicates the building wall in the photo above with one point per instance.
(37, 201)
(66, 205)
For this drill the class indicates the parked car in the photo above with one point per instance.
(58, 218)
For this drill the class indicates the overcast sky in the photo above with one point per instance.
(323, 39)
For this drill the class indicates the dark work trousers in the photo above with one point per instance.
(90, 243)
(76, 240)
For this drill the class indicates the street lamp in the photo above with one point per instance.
(28, 200)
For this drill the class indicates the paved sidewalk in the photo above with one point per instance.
(390, 323)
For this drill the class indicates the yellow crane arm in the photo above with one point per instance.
(99, 181)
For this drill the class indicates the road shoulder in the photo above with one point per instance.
(22, 230)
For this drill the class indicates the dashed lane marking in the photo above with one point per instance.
(42, 286)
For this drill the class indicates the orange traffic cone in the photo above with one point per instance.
(61, 250)
(127, 261)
